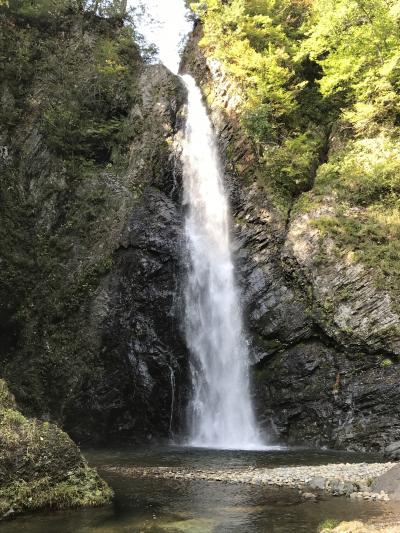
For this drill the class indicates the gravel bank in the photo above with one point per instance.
(337, 479)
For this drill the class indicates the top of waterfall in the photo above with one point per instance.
(165, 23)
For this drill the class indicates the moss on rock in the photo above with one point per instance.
(40, 466)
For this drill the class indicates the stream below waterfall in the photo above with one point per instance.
(172, 506)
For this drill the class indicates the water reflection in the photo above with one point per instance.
(157, 505)
(213, 458)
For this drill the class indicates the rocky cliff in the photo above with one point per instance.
(325, 334)
(91, 231)
(90, 227)
(134, 313)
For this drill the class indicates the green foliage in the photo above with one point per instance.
(252, 42)
(281, 109)
(288, 168)
(357, 44)
(328, 524)
(301, 69)
(67, 89)
(82, 488)
(90, 82)
(43, 11)
(7, 400)
(364, 180)
(361, 184)
(368, 169)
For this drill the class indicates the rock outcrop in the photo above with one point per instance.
(91, 231)
(325, 338)
(40, 466)
(389, 482)
(135, 312)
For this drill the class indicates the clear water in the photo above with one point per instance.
(157, 505)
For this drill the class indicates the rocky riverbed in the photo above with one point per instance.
(354, 480)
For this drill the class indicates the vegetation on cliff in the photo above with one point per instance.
(319, 88)
(68, 85)
(40, 467)
(86, 126)
(281, 108)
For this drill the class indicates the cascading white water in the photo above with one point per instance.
(220, 411)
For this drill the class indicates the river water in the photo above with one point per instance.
(176, 506)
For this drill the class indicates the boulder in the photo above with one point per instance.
(40, 466)
(393, 450)
(317, 483)
(388, 483)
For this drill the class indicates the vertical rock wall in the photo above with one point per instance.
(325, 339)
(106, 357)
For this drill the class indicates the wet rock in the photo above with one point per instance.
(136, 311)
(40, 466)
(276, 315)
(393, 450)
(309, 496)
(142, 341)
(346, 302)
(339, 479)
(339, 487)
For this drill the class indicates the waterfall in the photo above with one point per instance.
(220, 411)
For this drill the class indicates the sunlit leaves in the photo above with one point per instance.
(357, 43)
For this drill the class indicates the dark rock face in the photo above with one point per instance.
(316, 394)
(393, 450)
(314, 383)
(346, 303)
(99, 349)
(324, 338)
(142, 349)
(275, 312)
(136, 310)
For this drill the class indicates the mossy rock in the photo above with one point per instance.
(40, 466)
(7, 400)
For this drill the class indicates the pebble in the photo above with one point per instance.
(352, 479)
(309, 496)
